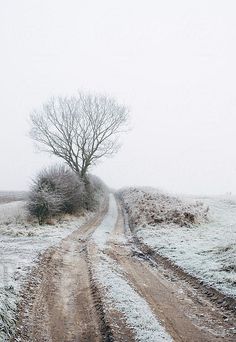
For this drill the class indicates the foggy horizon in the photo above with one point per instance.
(172, 64)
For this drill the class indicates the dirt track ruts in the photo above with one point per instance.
(59, 302)
(185, 313)
(63, 302)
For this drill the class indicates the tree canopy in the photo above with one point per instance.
(80, 129)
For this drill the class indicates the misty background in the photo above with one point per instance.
(171, 62)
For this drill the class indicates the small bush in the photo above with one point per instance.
(54, 191)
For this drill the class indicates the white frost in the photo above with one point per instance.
(13, 212)
(207, 251)
(121, 295)
(20, 245)
(118, 292)
(101, 234)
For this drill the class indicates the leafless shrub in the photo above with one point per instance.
(58, 190)
(55, 190)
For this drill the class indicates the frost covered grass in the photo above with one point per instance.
(206, 250)
(21, 242)
(7, 310)
(146, 207)
(13, 213)
(123, 297)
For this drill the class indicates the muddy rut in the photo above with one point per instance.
(75, 292)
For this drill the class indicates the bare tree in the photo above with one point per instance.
(80, 129)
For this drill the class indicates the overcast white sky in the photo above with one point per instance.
(172, 62)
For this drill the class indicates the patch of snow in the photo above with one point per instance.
(20, 245)
(208, 250)
(101, 234)
(13, 212)
(118, 292)
(121, 295)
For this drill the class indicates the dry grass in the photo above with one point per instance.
(152, 208)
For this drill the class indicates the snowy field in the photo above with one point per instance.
(20, 244)
(12, 213)
(207, 249)
(9, 196)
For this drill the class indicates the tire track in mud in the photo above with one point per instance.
(41, 314)
(185, 316)
(182, 326)
(64, 301)
(105, 328)
(221, 300)
(113, 320)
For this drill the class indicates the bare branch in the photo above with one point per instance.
(80, 129)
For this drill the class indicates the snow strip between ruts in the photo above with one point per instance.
(101, 234)
(125, 299)
(118, 292)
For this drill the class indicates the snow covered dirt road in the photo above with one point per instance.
(97, 285)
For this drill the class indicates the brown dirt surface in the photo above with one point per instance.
(63, 301)
(186, 314)
(58, 303)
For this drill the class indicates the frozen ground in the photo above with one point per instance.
(20, 244)
(102, 233)
(12, 213)
(118, 292)
(121, 295)
(206, 250)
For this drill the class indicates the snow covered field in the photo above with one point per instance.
(9, 196)
(20, 244)
(12, 213)
(206, 250)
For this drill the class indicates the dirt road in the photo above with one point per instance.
(98, 285)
